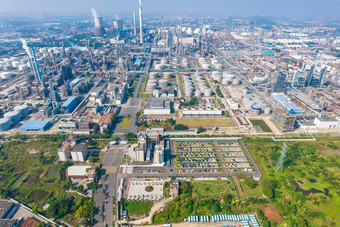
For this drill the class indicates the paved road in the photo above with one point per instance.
(107, 187)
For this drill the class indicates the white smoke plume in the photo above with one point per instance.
(26, 48)
(94, 13)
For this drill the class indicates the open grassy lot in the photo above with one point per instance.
(308, 184)
(29, 174)
(138, 207)
(125, 122)
(219, 122)
(262, 125)
(211, 189)
(144, 95)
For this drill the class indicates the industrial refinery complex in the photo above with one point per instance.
(143, 104)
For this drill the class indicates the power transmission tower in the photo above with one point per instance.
(279, 164)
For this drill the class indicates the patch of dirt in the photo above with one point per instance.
(326, 151)
(32, 151)
(273, 215)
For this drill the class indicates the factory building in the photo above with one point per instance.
(70, 104)
(157, 107)
(202, 112)
(79, 152)
(283, 101)
(67, 124)
(64, 152)
(35, 126)
(326, 122)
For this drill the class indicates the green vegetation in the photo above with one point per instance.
(144, 95)
(218, 122)
(305, 166)
(130, 136)
(191, 102)
(131, 89)
(260, 123)
(218, 92)
(181, 84)
(138, 207)
(143, 84)
(180, 127)
(28, 174)
(125, 122)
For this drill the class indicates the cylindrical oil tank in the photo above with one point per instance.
(198, 93)
(245, 91)
(267, 110)
(256, 109)
(153, 75)
(5, 75)
(22, 67)
(23, 109)
(158, 66)
(163, 61)
(207, 92)
(236, 81)
(163, 83)
(13, 116)
(188, 93)
(5, 124)
(151, 87)
(225, 81)
(15, 64)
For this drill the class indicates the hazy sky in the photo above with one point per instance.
(289, 8)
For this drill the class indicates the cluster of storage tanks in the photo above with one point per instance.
(204, 63)
(201, 89)
(225, 78)
(13, 116)
(216, 64)
(14, 63)
(153, 81)
(255, 106)
(161, 64)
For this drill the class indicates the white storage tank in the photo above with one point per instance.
(158, 66)
(225, 81)
(163, 83)
(13, 116)
(198, 93)
(15, 64)
(5, 75)
(245, 91)
(23, 67)
(5, 124)
(236, 81)
(267, 110)
(23, 109)
(207, 92)
(153, 75)
(163, 61)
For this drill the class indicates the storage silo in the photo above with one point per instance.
(163, 83)
(267, 110)
(208, 92)
(5, 124)
(22, 109)
(225, 81)
(236, 81)
(198, 93)
(13, 116)
(256, 109)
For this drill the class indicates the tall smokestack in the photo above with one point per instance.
(140, 21)
(134, 23)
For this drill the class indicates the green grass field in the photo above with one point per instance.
(125, 123)
(262, 125)
(144, 95)
(210, 189)
(219, 122)
(138, 207)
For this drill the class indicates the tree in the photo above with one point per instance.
(269, 192)
(180, 127)
(250, 182)
(200, 129)
(170, 121)
(106, 131)
(83, 211)
(96, 128)
(80, 188)
(41, 224)
(130, 136)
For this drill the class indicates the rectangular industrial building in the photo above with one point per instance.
(79, 152)
(35, 126)
(284, 102)
(327, 122)
(157, 106)
(70, 104)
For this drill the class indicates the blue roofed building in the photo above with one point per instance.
(35, 126)
(70, 104)
(284, 102)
